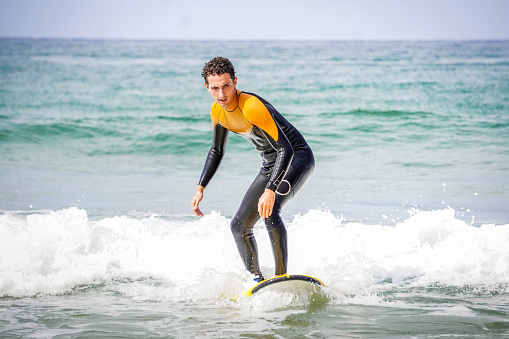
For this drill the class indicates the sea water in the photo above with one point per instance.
(405, 219)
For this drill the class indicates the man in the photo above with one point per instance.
(287, 162)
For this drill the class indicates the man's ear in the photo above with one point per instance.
(206, 86)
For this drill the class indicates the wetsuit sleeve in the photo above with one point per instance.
(284, 158)
(216, 153)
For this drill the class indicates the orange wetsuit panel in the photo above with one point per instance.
(250, 112)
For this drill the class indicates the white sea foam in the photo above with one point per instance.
(60, 251)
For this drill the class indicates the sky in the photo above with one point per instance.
(257, 19)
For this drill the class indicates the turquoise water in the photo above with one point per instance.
(405, 217)
(390, 123)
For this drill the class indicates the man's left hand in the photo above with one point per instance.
(266, 203)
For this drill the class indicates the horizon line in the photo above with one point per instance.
(260, 39)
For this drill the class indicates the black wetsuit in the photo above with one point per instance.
(287, 163)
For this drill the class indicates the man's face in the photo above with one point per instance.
(222, 88)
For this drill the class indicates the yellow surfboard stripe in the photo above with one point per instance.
(281, 278)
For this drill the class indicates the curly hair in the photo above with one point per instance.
(217, 66)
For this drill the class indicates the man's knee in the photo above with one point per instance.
(235, 226)
(273, 222)
(239, 229)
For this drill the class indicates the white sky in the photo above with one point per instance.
(256, 19)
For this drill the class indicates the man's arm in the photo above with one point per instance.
(284, 157)
(216, 153)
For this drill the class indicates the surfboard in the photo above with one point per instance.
(309, 281)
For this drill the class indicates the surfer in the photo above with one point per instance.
(287, 162)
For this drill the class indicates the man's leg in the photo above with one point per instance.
(277, 235)
(243, 222)
(299, 171)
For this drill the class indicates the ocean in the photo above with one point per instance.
(405, 219)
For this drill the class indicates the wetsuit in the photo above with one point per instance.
(287, 163)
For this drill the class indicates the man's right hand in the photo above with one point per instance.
(195, 203)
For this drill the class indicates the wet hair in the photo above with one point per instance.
(217, 66)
